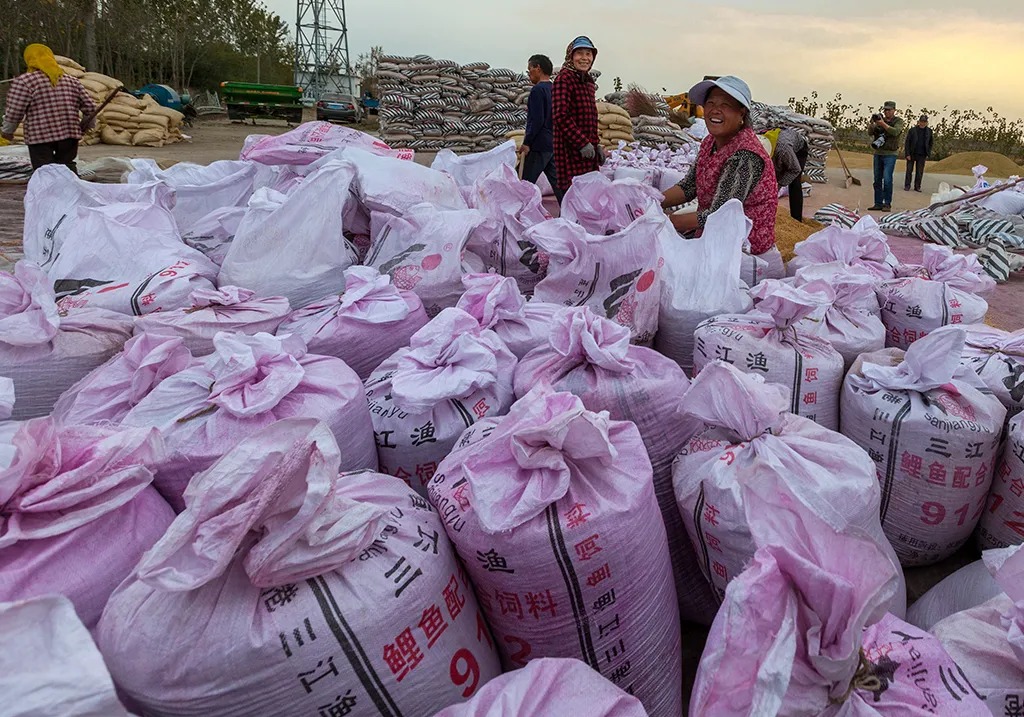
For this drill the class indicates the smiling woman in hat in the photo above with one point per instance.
(732, 164)
(574, 114)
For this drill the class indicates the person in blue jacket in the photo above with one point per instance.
(538, 149)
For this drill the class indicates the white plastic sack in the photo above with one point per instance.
(287, 568)
(294, 246)
(1008, 201)
(555, 518)
(934, 438)
(864, 244)
(496, 303)
(549, 687)
(384, 184)
(422, 398)
(754, 455)
(365, 324)
(768, 342)
(511, 207)
(603, 206)
(701, 280)
(998, 358)
(42, 353)
(199, 190)
(968, 587)
(422, 251)
(214, 233)
(467, 169)
(1002, 523)
(49, 666)
(946, 290)
(6, 397)
(229, 309)
(310, 141)
(54, 196)
(618, 275)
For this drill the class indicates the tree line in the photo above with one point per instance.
(194, 44)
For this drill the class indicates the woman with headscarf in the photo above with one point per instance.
(49, 101)
(574, 108)
(789, 156)
(732, 164)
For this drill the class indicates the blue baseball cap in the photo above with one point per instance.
(732, 86)
(582, 42)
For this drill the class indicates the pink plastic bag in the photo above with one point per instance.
(422, 252)
(230, 309)
(864, 245)
(49, 666)
(511, 206)
(769, 341)
(294, 245)
(79, 511)
(1002, 523)
(549, 687)
(934, 438)
(247, 383)
(496, 303)
(591, 358)
(998, 357)
(290, 567)
(214, 233)
(363, 325)
(602, 206)
(421, 399)
(803, 631)
(312, 140)
(43, 353)
(554, 515)
(945, 290)
(107, 394)
(988, 641)
(387, 185)
(618, 275)
(752, 453)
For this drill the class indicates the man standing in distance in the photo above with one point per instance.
(577, 143)
(538, 150)
(885, 130)
(917, 150)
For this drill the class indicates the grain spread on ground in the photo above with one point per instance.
(789, 232)
(961, 163)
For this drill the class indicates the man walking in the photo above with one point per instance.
(885, 130)
(538, 150)
(49, 102)
(918, 149)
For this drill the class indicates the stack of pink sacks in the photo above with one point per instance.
(330, 594)
(42, 352)
(250, 382)
(363, 325)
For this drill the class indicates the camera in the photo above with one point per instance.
(876, 117)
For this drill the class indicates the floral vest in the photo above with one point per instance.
(760, 205)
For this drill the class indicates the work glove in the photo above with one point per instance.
(600, 156)
(588, 151)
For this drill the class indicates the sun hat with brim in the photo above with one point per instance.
(732, 86)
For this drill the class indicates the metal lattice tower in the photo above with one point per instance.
(321, 47)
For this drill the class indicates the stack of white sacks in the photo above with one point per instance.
(255, 402)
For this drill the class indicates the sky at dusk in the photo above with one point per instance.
(922, 54)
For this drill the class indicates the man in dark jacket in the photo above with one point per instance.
(917, 149)
(538, 150)
(885, 131)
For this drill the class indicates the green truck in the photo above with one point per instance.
(255, 100)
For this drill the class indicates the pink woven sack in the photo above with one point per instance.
(751, 453)
(592, 358)
(363, 325)
(230, 309)
(312, 140)
(1002, 523)
(863, 245)
(934, 437)
(78, 511)
(603, 206)
(997, 356)
(549, 687)
(330, 593)
(421, 399)
(247, 383)
(496, 303)
(554, 515)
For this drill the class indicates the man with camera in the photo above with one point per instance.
(885, 130)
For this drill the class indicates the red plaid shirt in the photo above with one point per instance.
(575, 124)
(50, 113)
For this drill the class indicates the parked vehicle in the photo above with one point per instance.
(336, 107)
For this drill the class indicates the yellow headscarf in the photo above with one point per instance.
(773, 137)
(40, 57)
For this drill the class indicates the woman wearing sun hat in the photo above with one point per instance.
(731, 164)
(574, 113)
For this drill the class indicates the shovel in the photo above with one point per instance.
(86, 119)
(850, 179)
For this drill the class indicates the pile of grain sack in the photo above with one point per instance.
(614, 125)
(820, 134)
(652, 130)
(127, 120)
(538, 443)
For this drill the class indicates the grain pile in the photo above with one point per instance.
(820, 135)
(614, 125)
(789, 232)
(961, 163)
(127, 120)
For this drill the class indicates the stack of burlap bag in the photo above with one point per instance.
(127, 120)
(614, 125)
